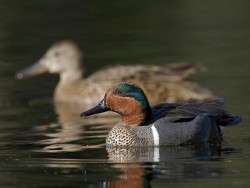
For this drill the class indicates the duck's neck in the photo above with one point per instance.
(139, 118)
(70, 76)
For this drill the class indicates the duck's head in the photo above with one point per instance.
(128, 100)
(61, 57)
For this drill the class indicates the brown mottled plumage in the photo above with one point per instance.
(161, 83)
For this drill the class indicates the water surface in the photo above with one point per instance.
(39, 148)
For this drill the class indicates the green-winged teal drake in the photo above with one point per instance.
(161, 83)
(163, 124)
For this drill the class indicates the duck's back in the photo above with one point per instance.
(160, 83)
(179, 111)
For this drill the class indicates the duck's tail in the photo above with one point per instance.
(227, 120)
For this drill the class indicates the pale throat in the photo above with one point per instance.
(70, 76)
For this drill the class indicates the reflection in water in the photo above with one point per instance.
(71, 129)
(133, 175)
(157, 154)
(138, 167)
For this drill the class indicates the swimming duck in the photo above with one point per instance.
(162, 83)
(163, 124)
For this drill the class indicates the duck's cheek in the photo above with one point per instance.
(125, 110)
(121, 108)
(129, 107)
(112, 102)
(52, 64)
(115, 104)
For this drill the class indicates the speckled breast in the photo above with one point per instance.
(124, 135)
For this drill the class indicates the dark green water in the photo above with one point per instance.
(40, 149)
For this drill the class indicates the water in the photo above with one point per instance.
(38, 148)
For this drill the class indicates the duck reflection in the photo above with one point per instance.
(133, 175)
(163, 153)
(139, 166)
(71, 132)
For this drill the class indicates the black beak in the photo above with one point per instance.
(101, 107)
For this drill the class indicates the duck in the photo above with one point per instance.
(163, 124)
(162, 83)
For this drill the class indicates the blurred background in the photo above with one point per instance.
(213, 33)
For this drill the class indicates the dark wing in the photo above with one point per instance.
(181, 112)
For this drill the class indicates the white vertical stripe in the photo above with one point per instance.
(156, 154)
(155, 135)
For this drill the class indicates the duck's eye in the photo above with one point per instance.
(118, 92)
(57, 54)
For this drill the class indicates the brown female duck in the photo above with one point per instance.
(161, 83)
